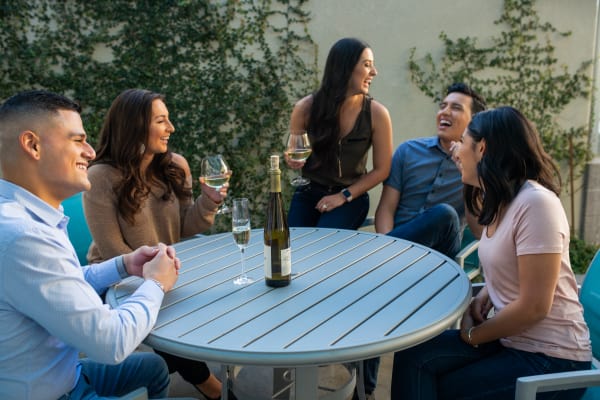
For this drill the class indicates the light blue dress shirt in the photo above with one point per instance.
(425, 176)
(50, 309)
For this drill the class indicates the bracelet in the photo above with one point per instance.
(469, 339)
(160, 285)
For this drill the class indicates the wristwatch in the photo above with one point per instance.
(346, 193)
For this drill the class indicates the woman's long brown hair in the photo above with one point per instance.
(123, 137)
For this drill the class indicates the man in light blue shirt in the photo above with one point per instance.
(50, 310)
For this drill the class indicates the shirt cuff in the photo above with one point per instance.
(121, 267)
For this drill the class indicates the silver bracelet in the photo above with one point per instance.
(469, 337)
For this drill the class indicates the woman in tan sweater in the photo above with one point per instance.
(142, 194)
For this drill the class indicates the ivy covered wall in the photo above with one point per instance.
(230, 69)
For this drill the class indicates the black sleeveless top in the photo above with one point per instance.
(352, 152)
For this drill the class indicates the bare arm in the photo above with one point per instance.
(298, 123)
(538, 276)
(382, 150)
(386, 209)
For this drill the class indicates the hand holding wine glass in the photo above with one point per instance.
(216, 173)
(298, 150)
(240, 227)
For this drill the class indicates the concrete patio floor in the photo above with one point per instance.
(180, 388)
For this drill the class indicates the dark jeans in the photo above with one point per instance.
(192, 371)
(303, 213)
(140, 369)
(447, 368)
(437, 227)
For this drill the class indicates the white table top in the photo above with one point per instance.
(354, 295)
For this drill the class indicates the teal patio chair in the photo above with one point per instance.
(467, 257)
(589, 295)
(78, 230)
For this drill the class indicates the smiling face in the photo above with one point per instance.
(453, 117)
(160, 129)
(363, 74)
(63, 155)
(467, 155)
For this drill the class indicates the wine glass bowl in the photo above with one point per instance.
(240, 228)
(298, 149)
(216, 173)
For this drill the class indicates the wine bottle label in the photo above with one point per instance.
(277, 263)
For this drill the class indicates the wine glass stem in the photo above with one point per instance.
(243, 262)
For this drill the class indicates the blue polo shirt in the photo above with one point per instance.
(425, 176)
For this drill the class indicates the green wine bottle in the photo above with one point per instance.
(277, 250)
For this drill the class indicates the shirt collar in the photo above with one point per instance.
(434, 141)
(33, 204)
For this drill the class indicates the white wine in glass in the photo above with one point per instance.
(298, 149)
(240, 228)
(216, 173)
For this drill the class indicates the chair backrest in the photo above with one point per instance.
(589, 296)
(78, 230)
(472, 261)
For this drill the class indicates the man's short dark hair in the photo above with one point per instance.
(35, 101)
(477, 103)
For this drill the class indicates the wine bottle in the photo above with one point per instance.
(277, 250)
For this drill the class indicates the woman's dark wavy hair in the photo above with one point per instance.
(323, 123)
(513, 154)
(123, 137)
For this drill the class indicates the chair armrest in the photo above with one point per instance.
(472, 270)
(466, 252)
(528, 386)
(369, 221)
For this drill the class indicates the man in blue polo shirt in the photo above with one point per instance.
(422, 198)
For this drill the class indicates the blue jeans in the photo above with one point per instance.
(302, 210)
(447, 368)
(140, 369)
(437, 227)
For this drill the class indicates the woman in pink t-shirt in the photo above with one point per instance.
(537, 326)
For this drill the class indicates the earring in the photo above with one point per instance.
(143, 148)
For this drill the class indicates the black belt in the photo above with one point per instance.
(327, 188)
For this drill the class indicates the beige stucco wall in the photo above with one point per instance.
(393, 27)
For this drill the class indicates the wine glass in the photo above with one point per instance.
(298, 149)
(240, 227)
(216, 173)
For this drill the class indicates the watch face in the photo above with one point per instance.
(346, 193)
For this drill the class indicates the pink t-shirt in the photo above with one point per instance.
(535, 223)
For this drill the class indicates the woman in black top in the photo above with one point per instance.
(342, 122)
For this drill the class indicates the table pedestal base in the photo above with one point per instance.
(330, 382)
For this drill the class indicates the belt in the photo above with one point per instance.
(327, 188)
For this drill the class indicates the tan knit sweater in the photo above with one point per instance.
(157, 221)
